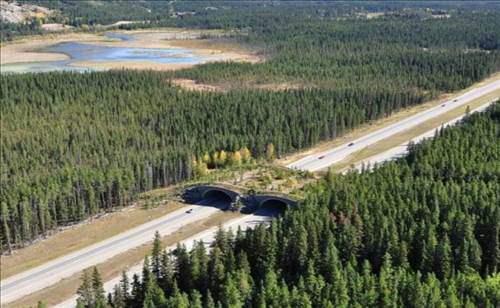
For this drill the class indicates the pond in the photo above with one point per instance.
(83, 52)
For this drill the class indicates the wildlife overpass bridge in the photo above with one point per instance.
(233, 194)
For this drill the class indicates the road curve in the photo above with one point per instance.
(40, 277)
(325, 159)
(207, 236)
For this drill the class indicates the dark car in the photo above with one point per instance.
(189, 211)
(455, 100)
(321, 157)
(443, 105)
(350, 144)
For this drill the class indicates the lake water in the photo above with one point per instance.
(96, 53)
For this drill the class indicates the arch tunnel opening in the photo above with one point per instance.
(217, 196)
(273, 207)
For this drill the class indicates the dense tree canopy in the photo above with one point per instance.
(423, 231)
(74, 144)
(422, 53)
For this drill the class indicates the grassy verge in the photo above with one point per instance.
(378, 124)
(96, 230)
(407, 135)
(112, 268)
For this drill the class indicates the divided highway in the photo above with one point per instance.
(40, 277)
(325, 159)
(402, 149)
(207, 236)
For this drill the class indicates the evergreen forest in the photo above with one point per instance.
(75, 145)
(421, 231)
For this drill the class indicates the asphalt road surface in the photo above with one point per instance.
(40, 277)
(207, 236)
(325, 159)
(402, 149)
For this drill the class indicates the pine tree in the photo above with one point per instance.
(443, 261)
(245, 154)
(270, 152)
(209, 301)
(137, 294)
(98, 289)
(153, 294)
(156, 256)
(85, 291)
(195, 299)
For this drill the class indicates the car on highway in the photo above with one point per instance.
(321, 157)
(443, 105)
(455, 100)
(189, 211)
(350, 144)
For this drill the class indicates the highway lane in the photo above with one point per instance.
(40, 277)
(262, 216)
(402, 149)
(325, 159)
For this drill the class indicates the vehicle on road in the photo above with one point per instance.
(443, 105)
(350, 144)
(321, 157)
(189, 211)
(455, 100)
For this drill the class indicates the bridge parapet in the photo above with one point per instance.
(261, 199)
(202, 191)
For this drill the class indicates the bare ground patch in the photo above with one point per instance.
(55, 27)
(284, 86)
(233, 51)
(193, 85)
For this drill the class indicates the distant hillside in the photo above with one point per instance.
(14, 12)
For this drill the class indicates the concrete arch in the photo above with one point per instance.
(200, 192)
(274, 203)
(247, 201)
(263, 200)
(220, 194)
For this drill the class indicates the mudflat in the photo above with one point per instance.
(30, 49)
(33, 49)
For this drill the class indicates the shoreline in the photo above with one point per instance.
(31, 49)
